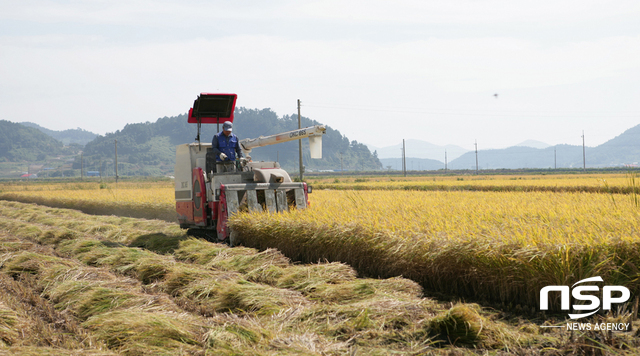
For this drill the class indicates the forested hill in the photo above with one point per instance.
(149, 148)
(70, 136)
(21, 143)
(622, 150)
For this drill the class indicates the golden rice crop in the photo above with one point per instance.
(159, 196)
(9, 186)
(505, 179)
(531, 218)
(153, 202)
(595, 183)
(501, 246)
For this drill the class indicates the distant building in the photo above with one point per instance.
(93, 174)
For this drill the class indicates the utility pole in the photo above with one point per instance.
(300, 141)
(116, 143)
(82, 166)
(404, 158)
(476, 156)
(555, 159)
(341, 169)
(584, 156)
(445, 161)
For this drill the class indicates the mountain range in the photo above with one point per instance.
(149, 148)
(19, 142)
(533, 143)
(623, 150)
(67, 137)
(419, 149)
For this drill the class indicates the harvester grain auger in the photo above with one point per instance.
(205, 199)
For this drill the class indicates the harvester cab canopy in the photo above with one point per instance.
(212, 109)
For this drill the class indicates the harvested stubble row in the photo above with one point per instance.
(499, 247)
(137, 287)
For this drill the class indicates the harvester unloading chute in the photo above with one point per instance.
(314, 133)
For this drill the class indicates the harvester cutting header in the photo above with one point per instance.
(210, 186)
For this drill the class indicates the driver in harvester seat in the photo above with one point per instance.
(226, 148)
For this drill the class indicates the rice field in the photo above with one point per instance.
(524, 218)
(498, 246)
(594, 183)
(151, 200)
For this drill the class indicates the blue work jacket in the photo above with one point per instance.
(227, 145)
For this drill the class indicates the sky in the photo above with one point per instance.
(377, 71)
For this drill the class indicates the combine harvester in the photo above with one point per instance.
(205, 199)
